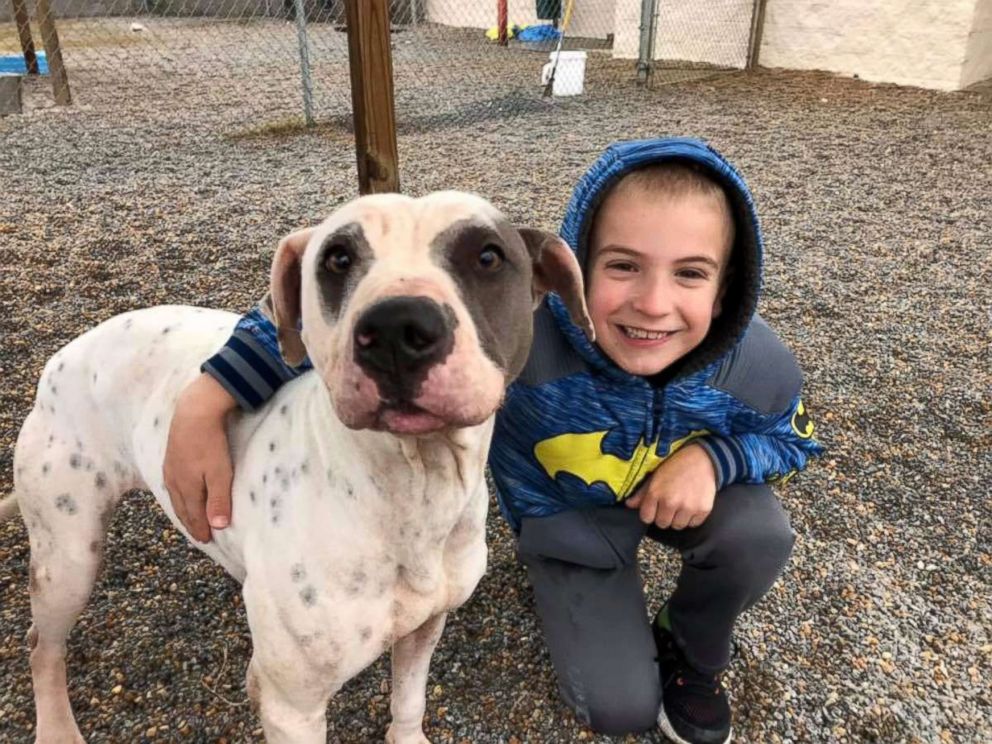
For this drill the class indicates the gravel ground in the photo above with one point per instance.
(875, 202)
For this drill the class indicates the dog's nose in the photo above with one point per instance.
(401, 337)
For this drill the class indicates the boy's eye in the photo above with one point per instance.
(338, 259)
(693, 274)
(621, 266)
(490, 258)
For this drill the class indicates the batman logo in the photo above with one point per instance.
(802, 424)
(582, 455)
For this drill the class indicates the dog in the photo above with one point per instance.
(359, 497)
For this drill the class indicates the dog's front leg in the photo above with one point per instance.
(411, 659)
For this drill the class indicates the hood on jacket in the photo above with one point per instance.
(744, 286)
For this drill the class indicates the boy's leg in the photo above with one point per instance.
(728, 563)
(582, 565)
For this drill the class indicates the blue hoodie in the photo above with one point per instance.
(577, 431)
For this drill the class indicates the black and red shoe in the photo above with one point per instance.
(694, 706)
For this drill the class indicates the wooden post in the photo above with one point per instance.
(23, 22)
(501, 21)
(370, 58)
(53, 51)
(757, 31)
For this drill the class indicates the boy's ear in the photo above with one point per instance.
(285, 289)
(557, 270)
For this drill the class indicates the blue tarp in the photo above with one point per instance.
(13, 64)
(539, 33)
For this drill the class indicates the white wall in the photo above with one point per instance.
(978, 54)
(909, 42)
(714, 31)
(590, 18)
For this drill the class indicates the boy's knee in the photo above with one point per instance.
(627, 707)
(757, 542)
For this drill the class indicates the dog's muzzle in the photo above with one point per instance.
(398, 340)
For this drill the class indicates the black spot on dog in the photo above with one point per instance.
(51, 438)
(298, 572)
(351, 491)
(283, 409)
(55, 390)
(309, 596)
(61, 366)
(166, 330)
(265, 477)
(100, 480)
(94, 377)
(357, 583)
(75, 461)
(272, 446)
(45, 468)
(284, 484)
(155, 422)
(128, 323)
(365, 633)
(273, 502)
(119, 467)
(305, 467)
(251, 495)
(65, 503)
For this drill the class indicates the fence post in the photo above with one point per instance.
(301, 42)
(757, 31)
(370, 59)
(53, 52)
(645, 57)
(23, 22)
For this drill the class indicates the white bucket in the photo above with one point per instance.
(570, 75)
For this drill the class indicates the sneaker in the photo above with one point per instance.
(694, 706)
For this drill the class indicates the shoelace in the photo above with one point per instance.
(685, 676)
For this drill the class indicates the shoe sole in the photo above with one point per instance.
(668, 731)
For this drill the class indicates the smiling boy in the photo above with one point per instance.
(670, 424)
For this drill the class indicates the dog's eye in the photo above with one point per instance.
(338, 259)
(490, 258)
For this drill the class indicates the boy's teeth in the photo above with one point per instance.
(639, 333)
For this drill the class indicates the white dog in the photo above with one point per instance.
(359, 498)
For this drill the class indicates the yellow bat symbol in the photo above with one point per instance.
(582, 455)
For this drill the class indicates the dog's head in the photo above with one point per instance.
(417, 313)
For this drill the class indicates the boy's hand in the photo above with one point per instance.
(680, 492)
(197, 468)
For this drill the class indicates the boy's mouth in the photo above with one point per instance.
(644, 334)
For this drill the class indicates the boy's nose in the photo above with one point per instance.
(653, 298)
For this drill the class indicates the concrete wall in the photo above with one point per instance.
(978, 53)
(714, 32)
(909, 42)
(76, 8)
(590, 18)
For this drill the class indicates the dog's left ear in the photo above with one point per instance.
(285, 289)
(557, 270)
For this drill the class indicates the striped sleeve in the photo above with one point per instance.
(249, 366)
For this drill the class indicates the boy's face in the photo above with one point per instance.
(655, 278)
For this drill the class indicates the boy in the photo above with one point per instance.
(683, 409)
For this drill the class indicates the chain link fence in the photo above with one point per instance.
(263, 64)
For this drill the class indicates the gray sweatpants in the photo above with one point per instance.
(583, 567)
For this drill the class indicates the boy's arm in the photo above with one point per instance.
(244, 374)
(249, 366)
(771, 432)
(776, 448)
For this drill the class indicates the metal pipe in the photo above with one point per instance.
(645, 55)
(301, 40)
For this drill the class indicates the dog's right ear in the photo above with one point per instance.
(285, 288)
